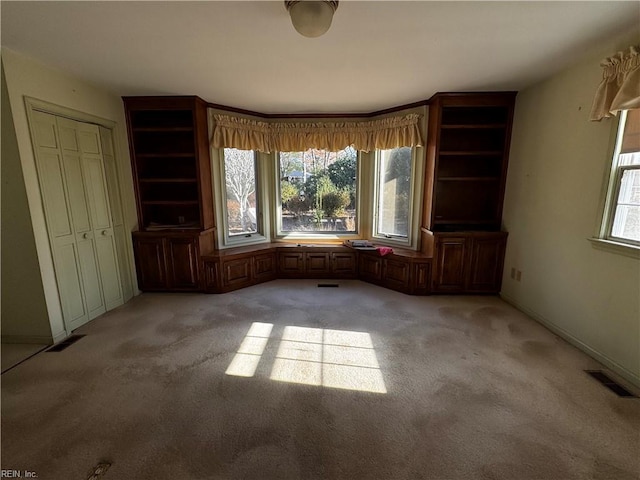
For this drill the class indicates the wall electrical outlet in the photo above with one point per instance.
(518, 275)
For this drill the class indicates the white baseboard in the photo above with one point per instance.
(623, 372)
(60, 336)
(30, 339)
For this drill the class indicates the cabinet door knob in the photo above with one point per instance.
(85, 235)
(104, 232)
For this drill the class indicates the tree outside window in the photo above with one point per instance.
(240, 186)
(318, 191)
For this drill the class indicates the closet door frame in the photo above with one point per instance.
(124, 248)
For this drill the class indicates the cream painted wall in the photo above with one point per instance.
(24, 312)
(558, 163)
(27, 77)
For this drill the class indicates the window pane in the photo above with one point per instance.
(318, 191)
(626, 222)
(394, 192)
(240, 185)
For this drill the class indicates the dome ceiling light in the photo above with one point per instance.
(311, 18)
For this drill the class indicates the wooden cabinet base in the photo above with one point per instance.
(170, 261)
(409, 273)
(468, 262)
(463, 262)
(228, 270)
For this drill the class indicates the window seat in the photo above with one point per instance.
(403, 270)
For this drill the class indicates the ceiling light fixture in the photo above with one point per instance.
(311, 18)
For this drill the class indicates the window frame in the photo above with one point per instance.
(614, 184)
(268, 212)
(226, 239)
(408, 241)
(316, 236)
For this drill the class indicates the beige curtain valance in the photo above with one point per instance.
(247, 134)
(620, 86)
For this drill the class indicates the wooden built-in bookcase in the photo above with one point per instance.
(171, 163)
(172, 178)
(462, 242)
(467, 157)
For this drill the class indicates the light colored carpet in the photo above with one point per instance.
(14, 353)
(474, 390)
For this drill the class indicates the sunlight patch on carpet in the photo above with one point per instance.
(246, 360)
(331, 358)
(313, 356)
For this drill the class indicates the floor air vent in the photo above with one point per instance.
(99, 471)
(611, 384)
(67, 342)
(328, 285)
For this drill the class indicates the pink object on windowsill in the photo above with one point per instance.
(384, 250)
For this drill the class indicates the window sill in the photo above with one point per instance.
(615, 247)
(314, 237)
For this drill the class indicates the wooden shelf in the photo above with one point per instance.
(467, 156)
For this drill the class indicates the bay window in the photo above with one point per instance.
(317, 192)
(270, 186)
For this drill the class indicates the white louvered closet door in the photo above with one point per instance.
(73, 186)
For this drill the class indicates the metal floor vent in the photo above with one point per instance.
(99, 471)
(67, 342)
(328, 285)
(611, 384)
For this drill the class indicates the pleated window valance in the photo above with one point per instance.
(272, 136)
(620, 86)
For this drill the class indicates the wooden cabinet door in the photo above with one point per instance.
(317, 263)
(395, 273)
(370, 267)
(236, 273)
(450, 264)
(182, 260)
(291, 263)
(487, 259)
(343, 264)
(150, 263)
(264, 267)
(421, 278)
(211, 276)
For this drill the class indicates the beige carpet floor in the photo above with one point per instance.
(12, 354)
(289, 381)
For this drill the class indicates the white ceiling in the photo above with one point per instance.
(246, 54)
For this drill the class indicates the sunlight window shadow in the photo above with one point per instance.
(246, 360)
(331, 358)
